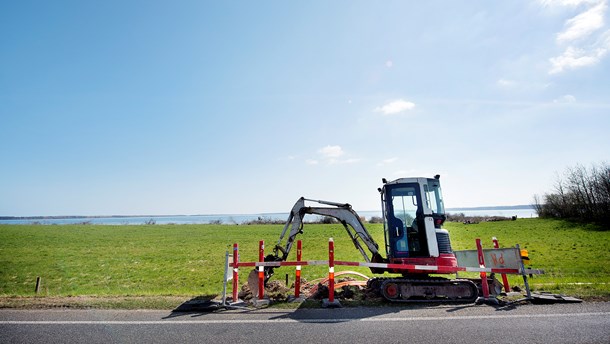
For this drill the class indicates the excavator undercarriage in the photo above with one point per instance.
(424, 289)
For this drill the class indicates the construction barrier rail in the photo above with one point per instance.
(440, 269)
(482, 269)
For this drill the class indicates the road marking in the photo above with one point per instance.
(573, 283)
(261, 321)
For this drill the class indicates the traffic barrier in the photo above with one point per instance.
(331, 262)
(439, 269)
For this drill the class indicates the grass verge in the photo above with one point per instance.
(97, 302)
(160, 266)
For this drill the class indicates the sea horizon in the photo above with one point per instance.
(447, 210)
(237, 218)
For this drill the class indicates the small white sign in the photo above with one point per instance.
(229, 267)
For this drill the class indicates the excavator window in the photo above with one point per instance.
(434, 199)
(404, 203)
(404, 230)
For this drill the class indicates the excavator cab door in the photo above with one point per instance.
(404, 220)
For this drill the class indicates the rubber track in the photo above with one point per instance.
(379, 282)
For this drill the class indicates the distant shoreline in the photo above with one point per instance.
(60, 217)
(500, 207)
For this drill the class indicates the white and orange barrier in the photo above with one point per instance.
(502, 261)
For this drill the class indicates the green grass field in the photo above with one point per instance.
(188, 260)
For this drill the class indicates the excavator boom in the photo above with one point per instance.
(343, 212)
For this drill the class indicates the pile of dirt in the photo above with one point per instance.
(278, 292)
(274, 290)
(346, 292)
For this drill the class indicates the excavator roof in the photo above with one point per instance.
(411, 180)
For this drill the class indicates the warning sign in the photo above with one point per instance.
(499, 258)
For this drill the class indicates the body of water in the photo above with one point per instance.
(521, 213)
(238, 218)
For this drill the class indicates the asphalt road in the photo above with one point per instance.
(560, 323)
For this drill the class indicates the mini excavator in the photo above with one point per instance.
(413, 215)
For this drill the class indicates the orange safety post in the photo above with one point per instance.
(297, 280)
(235, 273)
(331, 270)
(261, 270)
(484, 284)
(504, 278)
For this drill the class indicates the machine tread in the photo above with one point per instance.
(433, 290)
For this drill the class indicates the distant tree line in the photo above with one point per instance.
(582, 194)
(327, 220)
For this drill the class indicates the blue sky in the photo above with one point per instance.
(195, 107)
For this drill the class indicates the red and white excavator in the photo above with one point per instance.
(413, 215)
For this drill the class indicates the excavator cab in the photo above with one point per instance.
(413, 214)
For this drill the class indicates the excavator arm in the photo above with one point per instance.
(343, 212)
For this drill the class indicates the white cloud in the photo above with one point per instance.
(332, 155)
(331, 151)
(395, 107)
(389, 63)
(585, 45)
(504, 83)
(584, 24)
(387, 161)
(346, 161)
(522, 85)
(574, 3)
(566, 99)
(576, 57)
